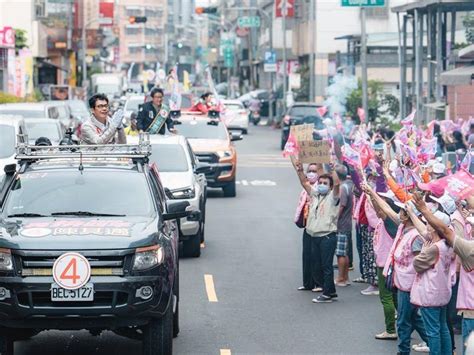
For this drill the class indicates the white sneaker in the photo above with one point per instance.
(421, 348)
(370, 291)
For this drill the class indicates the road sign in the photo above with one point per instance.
(284, 8)
(228, 57)
(248, 21)
(270, 63)
(71, 271)
(367, 3)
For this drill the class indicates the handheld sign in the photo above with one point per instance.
(314, 152)
(302, 132)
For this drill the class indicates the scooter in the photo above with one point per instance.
(255, 117)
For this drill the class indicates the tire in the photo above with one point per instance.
(6, 344)
(192, 246)
(244, 131)
(230, 189)
(256, 121)
(201, 232)
(158, 335)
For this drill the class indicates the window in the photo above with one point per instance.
(133, 30)
(134, 12)
(169, 158)
(135, 50)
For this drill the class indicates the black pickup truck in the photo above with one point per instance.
(88, 242)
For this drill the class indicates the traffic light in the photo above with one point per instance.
(137, 19)
(206, 10)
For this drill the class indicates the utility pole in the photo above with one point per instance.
(285, 73)
(363, 60)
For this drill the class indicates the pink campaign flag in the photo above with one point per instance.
(409, 152)
(466, 162)
(361, 114)
(430, 129)
(408, 121)
(322, 110)
(351, 156)
(428, 148)
(459, 185)
(339, 125)
(291, 147)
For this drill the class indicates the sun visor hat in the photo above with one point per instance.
(439, 168)
(437, 191)
(447, 202)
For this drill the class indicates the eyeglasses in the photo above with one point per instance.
(157, 97)
(102, 106)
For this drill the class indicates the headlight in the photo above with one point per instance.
(184, 193)
(224, 153)
(146, 258)
(6, 262)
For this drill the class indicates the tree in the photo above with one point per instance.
(20, 39)
(468, 22)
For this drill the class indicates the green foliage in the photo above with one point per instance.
(468, 22)
(302, 94)
(383, 108)
(20, 39)
(6, 98)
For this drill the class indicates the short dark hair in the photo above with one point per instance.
(341, 172)
(327, 177)
(97, 97)
(155, 91)
(206, 95)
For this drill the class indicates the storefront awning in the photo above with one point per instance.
(458, 76)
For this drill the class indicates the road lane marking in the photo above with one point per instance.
(244, 182)
(256, 183)
(226, 352)
(211, 291)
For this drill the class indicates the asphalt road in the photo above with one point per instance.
(240, 296)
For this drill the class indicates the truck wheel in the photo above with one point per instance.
(229, 189)
(158, 335)
(192, 247)
(6, 344)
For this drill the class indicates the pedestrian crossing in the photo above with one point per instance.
(263, 161)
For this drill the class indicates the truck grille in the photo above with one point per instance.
(102, 299)
(210, 158)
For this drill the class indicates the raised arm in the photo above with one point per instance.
(384, 206)
(419, 225)
(301, 175)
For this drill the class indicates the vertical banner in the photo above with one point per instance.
(19, 78)
(72, 69)
(27, 64)
(11, 71)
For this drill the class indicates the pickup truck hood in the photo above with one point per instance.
(208, 145)
(176, 180)
(78, 233)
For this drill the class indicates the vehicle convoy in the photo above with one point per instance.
(212, 144)
(79, 251)
(182, 176)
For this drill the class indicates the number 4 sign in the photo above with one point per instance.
(71, 271)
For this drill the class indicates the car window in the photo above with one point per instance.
(23, 113)
(132, 104)
(202, 130)
(93, 190)
(169, 157)
(156, 192)
(234, 107)
(7, 139)
(42, 129)
(301, 111)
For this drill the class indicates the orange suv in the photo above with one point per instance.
(212, 144)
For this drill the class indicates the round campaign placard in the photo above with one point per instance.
(71, 271)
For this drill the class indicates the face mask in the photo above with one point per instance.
(323, 189)
(312, 177)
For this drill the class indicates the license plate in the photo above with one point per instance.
(85, 293)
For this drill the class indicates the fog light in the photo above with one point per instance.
(145, 292)
(4, 293)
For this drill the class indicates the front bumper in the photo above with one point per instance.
(115, 303)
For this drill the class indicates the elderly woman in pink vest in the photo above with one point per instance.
(463, 245)
(400, 274)
(436, 273)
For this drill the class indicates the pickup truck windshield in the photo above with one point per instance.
(46, 193)
(169, 158)
(201, 129)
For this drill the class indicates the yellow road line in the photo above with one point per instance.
(211, 291)
(226, 352)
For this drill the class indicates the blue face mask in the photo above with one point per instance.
(323, 189)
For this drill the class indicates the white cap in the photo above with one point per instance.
(431, 163)
(447, 202)
(439, 168)
(389, 194)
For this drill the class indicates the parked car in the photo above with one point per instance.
(43, 127)
(58, 110)
(236, 116)
(80, 250)
(299, 113)
(79, 109)
(183, 175)
(12, 129)
(213, 144)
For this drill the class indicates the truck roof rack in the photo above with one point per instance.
(137, 152)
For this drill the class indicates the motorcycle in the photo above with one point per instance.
(255, 117)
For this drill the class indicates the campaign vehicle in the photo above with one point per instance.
(213, 144)
(88, 241)
(44, 127)
(236, 116)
